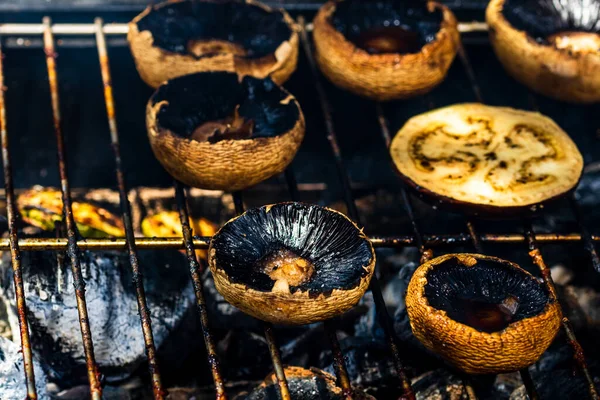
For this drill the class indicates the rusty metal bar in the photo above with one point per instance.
(15, 253)
(588, 243)
(122, 29)
(72, 249)
(284, 391)
(382, 312)
(202, 242)
(145, 319)
(338, 357)
(586, 235)
(524, 372)
(196, 272)
(578, 355)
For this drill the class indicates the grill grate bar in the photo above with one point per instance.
(195, 272)
(72, 249)
(525, 374)
(202, 242)
(381, 309)
(578, 355)
(338, 357)
(538, 260)
(15, 251)
(426, 254)
(284, 391)
(145, 319)
(588, 244)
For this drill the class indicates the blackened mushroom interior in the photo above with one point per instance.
(390, 26)
(178, 26)
(547, 21)
(488, 296)
(214, 106)
(324, 241)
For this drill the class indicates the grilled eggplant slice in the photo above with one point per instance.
(385, 49)
(486, 160)
(482, 314)
(178, 38)
(168, 224)
(211, 131)
(291, 263)
(553, 47)
(43, 207)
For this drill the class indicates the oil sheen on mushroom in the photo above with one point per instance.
(215, 106)
(240, 28)
(387, 26)
(573, 24)
(486, 155)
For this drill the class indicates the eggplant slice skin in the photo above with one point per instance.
(111, 304)
(486, 158)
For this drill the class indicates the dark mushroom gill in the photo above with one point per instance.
(487, 296)
(210, 97)
(329, 241)
(390, 26)
(544, 18)
(258, 31)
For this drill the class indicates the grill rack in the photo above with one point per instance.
(423, 242)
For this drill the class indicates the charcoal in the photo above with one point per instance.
(557, 385)
(222, 314)
(439, 384)
(12, 377)
(367, 361)
(111, 304)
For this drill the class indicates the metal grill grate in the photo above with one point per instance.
(423, 242)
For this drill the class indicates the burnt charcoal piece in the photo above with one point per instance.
(291, 263)
(552, 46)
(212, 131)
(385, 49)
(438, 384)
(173, 39)
(478, 312)
(12, 382)
(303, 384)
(111, 304)
(368, 364)
(222, 314)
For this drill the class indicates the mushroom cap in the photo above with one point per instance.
(304, 384)
(246, 37)
(43, 207)
(183, 104)
(519, 35)
(486, 160)
(390, 75)
(435, 300)
(341, 259)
